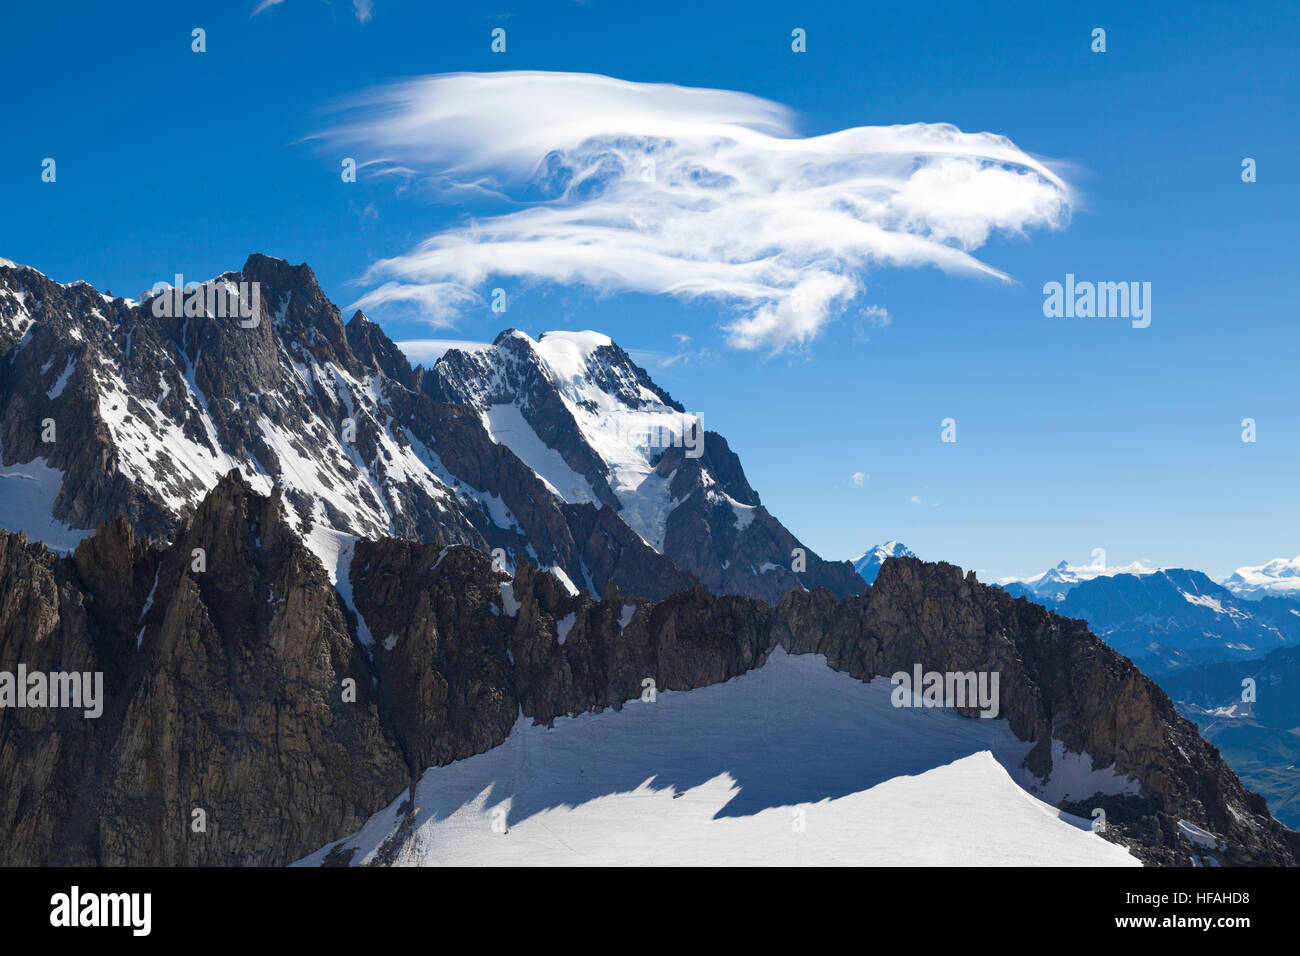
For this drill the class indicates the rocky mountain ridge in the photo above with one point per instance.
(227, 686)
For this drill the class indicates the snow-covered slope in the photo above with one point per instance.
(790, 764)
(28, 492)
(1278, 578)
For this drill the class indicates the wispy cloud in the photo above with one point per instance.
(438, 303)
(636, 187)
(428, 351)
(364, 9)
(685, 353)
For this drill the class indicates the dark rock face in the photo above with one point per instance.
(224, 686)
(440, 655)
(612, 553)
(224, 693)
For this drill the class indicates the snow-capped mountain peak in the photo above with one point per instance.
(580, 413)
(1277, 578)
(868, 563)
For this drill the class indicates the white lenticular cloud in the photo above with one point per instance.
(636, 187)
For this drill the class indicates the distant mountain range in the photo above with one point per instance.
(1259, 737)
(1055, 583)
(1200, 640)
(1164, 619)
(1277, 578)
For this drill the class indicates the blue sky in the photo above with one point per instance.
(1073, 434)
